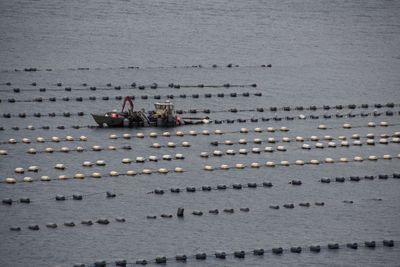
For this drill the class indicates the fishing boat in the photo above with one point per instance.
(163, 115)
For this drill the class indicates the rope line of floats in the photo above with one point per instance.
(133, 86)
(196, 66)
(286, 163)
(242, 254)
(67, 114)
(223, 167)
(142, 97)
(356, 178)
(247, 120)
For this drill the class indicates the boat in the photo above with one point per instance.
(163, 115)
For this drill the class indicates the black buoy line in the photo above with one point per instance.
(133, 86)
(250, 120)
(67, 114)
(357, 178)
(195, 66)
(141, 97)
(220, 255)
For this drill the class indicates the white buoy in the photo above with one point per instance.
(383, 124)
(12, 141)
(3, 152)
(153, 158)
(343, 160)
(331, 144)
(153, 135)
(387, 157)
(224, 167)
(314, 138)
(59, 166)
(257, 141)
(205, 132)
(383, 141)
(242, 141)
(240, 166)
(96, 148)
(384, 135)
(55, 139)
(111, 148)
(329, 160)
(170, 144)
(113, 136)
(10, 180)
(218, 132)
(204, 154)
(281, 148)
(286, 139)
(256, 150)
(371, 124)
(208, 168)
(370, 136)
(179, 156)
(243, 151)
(355, 136)
(258, 130)
(270, 164)
(49, 150)
(306, 146)
(341, 137)
(193, 133)
(231, 152)
(131, 173)
(139, 135)
(45, 178)
(83, 138)
(314, 161)
(40, 140)
(268, 149)
(271, 140)
(347, 126)
(79, 149)
(69, 138)
(284, 129)
(358, 159)
(271, 129)
(96, 175)
(33, 168)
(178, 169)
(371, 142)
(100, 163)
(163, 170)
(357, 143)
(140, 159)
(166, 157)
(395, 140)
(26, 140)
(372, 158)
(255, 165)
(27, 179)
(19, 170)
(299, 162)
(319, 145)
(299, 139)
(322, 127)
(114, 173)
(228, 142)
(63, 177)
(285, 163)
(64, 149)
(87, 164)
(344, 143)
(156, 145)
(79, 176)
(217, 153)
(244, 130)
(328, 138)
(166, 134)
